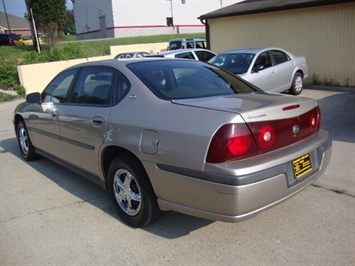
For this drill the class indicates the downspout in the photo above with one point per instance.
(207, 31)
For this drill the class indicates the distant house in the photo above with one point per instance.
(14, 24)
(122, 18)
(322, 30)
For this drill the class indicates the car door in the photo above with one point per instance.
(263, 74)
(83, 121)
(285, 67)
(44, 121)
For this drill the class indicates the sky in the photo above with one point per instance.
(18, 7)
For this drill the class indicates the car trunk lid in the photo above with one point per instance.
(274, 120)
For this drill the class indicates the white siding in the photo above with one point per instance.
(141, 17)
(87, 17)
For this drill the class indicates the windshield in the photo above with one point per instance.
(185, 79)
(237, 63)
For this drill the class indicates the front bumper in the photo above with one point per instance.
(237, 191)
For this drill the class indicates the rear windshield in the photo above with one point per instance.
(181, 79)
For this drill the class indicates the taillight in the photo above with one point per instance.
(319, 119)
(240, 141)
(231, 142)
(11, 41)
(266, 137)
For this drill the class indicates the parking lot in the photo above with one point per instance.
(49, 215)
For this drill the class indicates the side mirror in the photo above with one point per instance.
(257, 68)
(34, 97)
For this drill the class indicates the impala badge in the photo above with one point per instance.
(295, 129)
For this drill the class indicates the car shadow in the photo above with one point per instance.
(338, 116)
(171, 225)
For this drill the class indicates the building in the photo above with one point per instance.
(122, 18)
(322, 30)
(14, 24)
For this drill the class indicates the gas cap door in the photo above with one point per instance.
(149, 142)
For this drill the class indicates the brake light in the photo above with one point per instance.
(232, 141)
(11, 41)
(241, 141)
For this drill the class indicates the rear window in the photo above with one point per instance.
(175, 79)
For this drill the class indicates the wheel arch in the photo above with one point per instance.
(17, 119)
(297, 71)
(111, 152)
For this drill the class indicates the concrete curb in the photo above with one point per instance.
(330, 88)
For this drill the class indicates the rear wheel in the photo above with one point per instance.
(24, 142)
(131, 192)
(297, 84)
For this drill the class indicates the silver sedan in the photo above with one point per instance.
(269, 68)
(175, 135)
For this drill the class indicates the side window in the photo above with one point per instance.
(263, 61)
(189, 45)
(186, 55)
(94, 86)
(280, 57)
(204, 55)
(200, 44)
(57, 90)
(121, 87)
(174, 45)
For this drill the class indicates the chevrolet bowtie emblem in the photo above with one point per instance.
(295, 129)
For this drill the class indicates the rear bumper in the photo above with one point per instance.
(238, 191)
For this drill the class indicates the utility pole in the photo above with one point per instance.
(32, 27)
(7, 18)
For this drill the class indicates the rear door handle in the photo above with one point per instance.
(97, 121)
(55, 115)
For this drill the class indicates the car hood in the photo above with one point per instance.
(255, 107)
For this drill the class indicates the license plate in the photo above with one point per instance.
(302, 165)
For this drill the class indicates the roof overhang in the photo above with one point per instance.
(257, 6)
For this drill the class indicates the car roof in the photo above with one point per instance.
(179, 51)
(134, 52)
(252, 50)
(188, 39)
(116, 63)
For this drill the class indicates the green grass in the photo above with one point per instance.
(90, 48)
(5, 97)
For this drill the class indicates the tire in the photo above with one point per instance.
(297, 84)
(131, 192)
(27, 149)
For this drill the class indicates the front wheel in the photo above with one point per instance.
(131, 192)
(24, 142)
(297, 84)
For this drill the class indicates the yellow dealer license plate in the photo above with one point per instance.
(302, 165)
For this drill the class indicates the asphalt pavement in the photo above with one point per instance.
(51, 216)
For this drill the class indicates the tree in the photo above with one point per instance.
(50, 16)
(69, 26)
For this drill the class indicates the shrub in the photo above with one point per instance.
(8, 74)
(67, 52)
